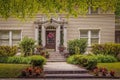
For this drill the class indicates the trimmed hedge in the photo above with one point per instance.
(38, 61)
(6, 51)
(77, 44)
(90, 61)
(23, 60)
(106, 49)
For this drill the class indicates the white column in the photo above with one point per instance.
(57, 38)
(89, 10)
(43, 36)
(10, 38)
(21, 35)
(36, 34)
(89, 38)
(99, 37)
(65, 36)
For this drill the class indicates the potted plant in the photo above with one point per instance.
(61, 48)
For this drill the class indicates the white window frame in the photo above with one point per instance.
(90, 36)
(10, 35)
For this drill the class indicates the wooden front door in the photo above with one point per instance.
(50, 39)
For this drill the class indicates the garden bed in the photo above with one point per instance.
(111, 66)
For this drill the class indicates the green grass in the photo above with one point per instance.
(111, 66)
(11, 70)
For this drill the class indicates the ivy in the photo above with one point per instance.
(29, 8)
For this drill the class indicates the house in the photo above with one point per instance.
(96, 27)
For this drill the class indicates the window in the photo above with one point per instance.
(91, 35)
(16, 37)
(93, 11)
(10, 37)
(4, 37)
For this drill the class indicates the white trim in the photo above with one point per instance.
(99, 37)
(21, 35)
(10, 38)
(90, 36)
(65, 36)
(36, 34)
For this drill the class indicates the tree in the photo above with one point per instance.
(29, 8)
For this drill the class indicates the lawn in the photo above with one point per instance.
(11, 70)
(111, 66)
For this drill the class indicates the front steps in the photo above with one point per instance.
(56, 57)
(64, 70)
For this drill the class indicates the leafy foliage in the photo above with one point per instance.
(105, 58)
(27, 45)
(7, 51)
(38, 61)
(90, 61)
(106, 49)
(86, 61)
(23, 60)
(29, 8)
(77, 44)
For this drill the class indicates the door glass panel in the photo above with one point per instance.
(50, 37)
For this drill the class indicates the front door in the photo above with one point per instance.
(50, 39)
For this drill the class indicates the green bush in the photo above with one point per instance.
(105, 58)
(106, 49)
(86, 61)
(77, 43)
(38, 61)
(23, 60)
(6, 51)
(90, 61)
(27, 46)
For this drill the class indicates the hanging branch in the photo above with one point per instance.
(29, 8)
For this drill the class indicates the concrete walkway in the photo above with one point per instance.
(61, 66)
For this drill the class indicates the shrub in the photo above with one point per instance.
(105, 58)
(27, 45)
(23, 60)
(106, 49)
(77, 43)
(38, 61)
(89, 62)
(6, 51)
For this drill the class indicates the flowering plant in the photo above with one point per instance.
(50, 35)
(112, 73)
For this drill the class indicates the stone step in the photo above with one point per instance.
(56, 60)
(66, 72)
(71, 76)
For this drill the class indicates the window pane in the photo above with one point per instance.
(84, 33)
(4, 34)
(95, 33)
(16, 34)
(94, 41)
(4, 37)
(16, 37)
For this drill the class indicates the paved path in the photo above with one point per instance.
(61, 66)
